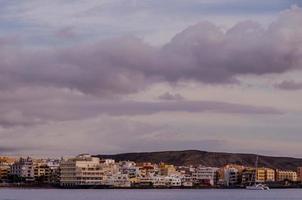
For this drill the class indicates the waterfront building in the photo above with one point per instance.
(270, 175)
(206, 176)
(248, 176)
(282, 175)
(261, 175)
(299, 173)
(53, 163)
(117, 180)
(82, 170)
(173, 181)
(187, 180)
(54, 166)
(129, 168)
(159, 181)
(4, 171)
(42, 172)
(24, 169)
(109, 167)
(145, 180)
(231, 176)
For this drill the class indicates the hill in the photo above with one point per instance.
(217, 159)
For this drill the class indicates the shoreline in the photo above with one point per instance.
(137, 188)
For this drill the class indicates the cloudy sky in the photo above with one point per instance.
(112, 76)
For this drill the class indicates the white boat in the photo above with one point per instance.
(257, 187)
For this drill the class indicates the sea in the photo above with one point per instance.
(148, 194)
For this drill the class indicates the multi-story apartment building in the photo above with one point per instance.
(54, 166)
(231, 176)
(147, 169)
(186, 180)
(42, 173)
(248, 176)
(159, 181)
(23, 168)
(205, 175)
(82, 170)
(251, 175)
(270, 175)
(286, 175)
(173, 181)
(166, 170)
(117, 180)
(109, 167)
(260, 175)
(129, 168)
(4, 171)
(265, 175)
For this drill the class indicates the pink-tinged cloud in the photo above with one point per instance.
(66, 33)
(26, 114)
(202, 52)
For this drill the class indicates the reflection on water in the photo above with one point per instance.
(56, 194)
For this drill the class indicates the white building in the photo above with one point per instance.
(205, 175)
(129, 168)
(82, 170)
(117, 180)
(109, 162)
(230, 176)
(187, 181)
(173, 181)
(159, 181)
(53, 163)
(23, 168)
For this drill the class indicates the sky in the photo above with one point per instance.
(114, 76)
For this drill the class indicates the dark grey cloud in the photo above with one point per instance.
(12, 149)
(92, 73)
(8, 149)
(202, 52)
(289, 85)
(26, 108)
(171, 97)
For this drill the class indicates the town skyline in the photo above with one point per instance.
(117, 76)
(96, 172)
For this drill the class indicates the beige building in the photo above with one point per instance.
(251, 175)
(8, 160)
(260, 175)
(205, 176)
(82, 170)
(265, 175)
(286, 175)
(270, 175)
(166, 170)
(42, 172)
(4, 171)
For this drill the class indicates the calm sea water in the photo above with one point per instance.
(53, 194)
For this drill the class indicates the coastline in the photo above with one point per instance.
(48, 186)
